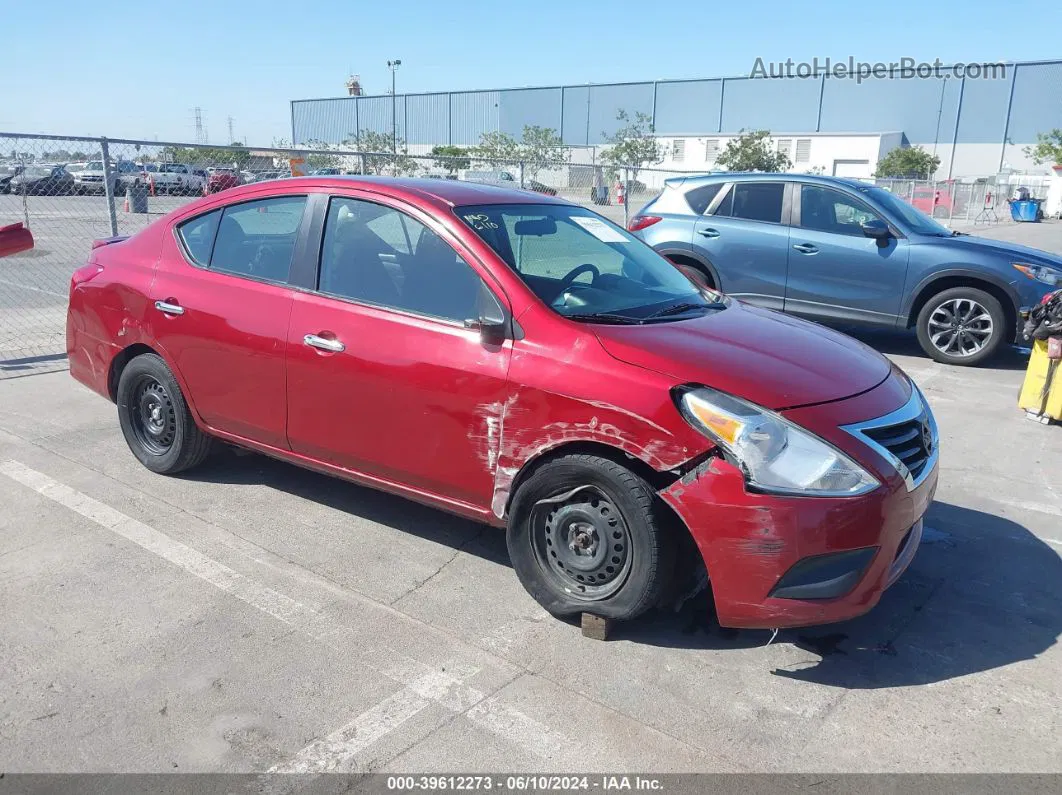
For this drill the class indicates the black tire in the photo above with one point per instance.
(696, 273)
(933, 326)
(639, 552)
(166, 441)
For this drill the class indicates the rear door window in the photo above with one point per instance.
(257, 239)
(754, 201)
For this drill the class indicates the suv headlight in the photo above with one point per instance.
(775, 455)
(1042, 273)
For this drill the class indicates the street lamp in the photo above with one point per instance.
(393, 66)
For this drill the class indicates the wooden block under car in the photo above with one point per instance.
(596, 627)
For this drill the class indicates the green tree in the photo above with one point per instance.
(496, 145)
(907, 162)
(320, 159)
(753, 151)
(1047, 149)
(450, 158)
(633, 144)
(539, 148)
(206, 155)
(378, 158)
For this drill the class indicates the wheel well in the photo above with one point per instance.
(689, 562)
(1010, 314)
(119, 362)
(658, 480)
(679, 259)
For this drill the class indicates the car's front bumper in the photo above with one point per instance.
(778, 561)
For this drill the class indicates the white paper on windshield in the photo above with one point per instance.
(599, 229)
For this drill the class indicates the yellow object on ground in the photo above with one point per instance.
(1041, 394)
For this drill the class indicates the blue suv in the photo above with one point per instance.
(843, 251)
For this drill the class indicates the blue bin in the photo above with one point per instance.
(1027, 210)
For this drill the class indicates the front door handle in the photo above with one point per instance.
(708, 233)
(324, 344)
(806, 248)
(168, 308)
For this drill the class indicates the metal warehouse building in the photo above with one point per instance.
(976, 125)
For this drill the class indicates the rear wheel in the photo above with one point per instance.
(155, 419)
(962, 325)
(695, 273)
(584, 536)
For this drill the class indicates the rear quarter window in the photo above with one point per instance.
(699, 198)
(197, 236)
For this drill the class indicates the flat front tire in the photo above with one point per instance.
(961, 325)
(584, 535)
(155, 419)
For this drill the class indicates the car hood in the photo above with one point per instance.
(1013, 251)
(771, 359)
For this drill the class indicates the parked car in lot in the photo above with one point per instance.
(934, 201)
(266, 176)
(842, 251)
(519, 361)
(6, 173)
(178, 178)
(14, 239)
(91, 177)
(42, 180)
(222, 179)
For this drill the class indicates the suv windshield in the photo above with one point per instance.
(912, 216)
(584, 267)
(94, 165)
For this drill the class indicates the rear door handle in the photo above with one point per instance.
(805, 248)
(168, 308)
(324, 344)
(709, 233)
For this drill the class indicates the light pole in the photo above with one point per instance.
(393, 66)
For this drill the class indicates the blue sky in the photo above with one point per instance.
(248, 60)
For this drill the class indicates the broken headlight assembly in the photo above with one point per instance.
(775, 455)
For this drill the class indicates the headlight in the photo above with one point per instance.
(1042, 273)
(775, 455)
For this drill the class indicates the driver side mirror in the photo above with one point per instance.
(14, 238)
(490, 321)
(877, 229)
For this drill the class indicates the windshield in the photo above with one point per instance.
(917, 220)
(37, 171)
(585, 267)
(94, 165)
(171, 168)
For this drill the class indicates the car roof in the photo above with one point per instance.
(694, 180)
(441, 192)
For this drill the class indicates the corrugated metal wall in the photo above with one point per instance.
(926, 111)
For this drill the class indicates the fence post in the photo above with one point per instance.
(626, 196)
(108, 186)
(521, 175)
(361, 166)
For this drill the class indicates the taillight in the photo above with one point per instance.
(642, 221)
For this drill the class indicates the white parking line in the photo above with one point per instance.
(338, 752)
(422, 684)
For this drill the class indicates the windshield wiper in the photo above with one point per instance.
(678, 309)
(606, 317)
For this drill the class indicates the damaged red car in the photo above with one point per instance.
(520, 361)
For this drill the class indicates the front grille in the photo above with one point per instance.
(907, 441)
(907, 438)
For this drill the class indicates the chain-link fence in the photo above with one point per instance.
(71, 191)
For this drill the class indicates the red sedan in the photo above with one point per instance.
(520, 361)
(222, 179)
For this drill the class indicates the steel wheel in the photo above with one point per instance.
(152, 416)
(960, 327)
(582, 543)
